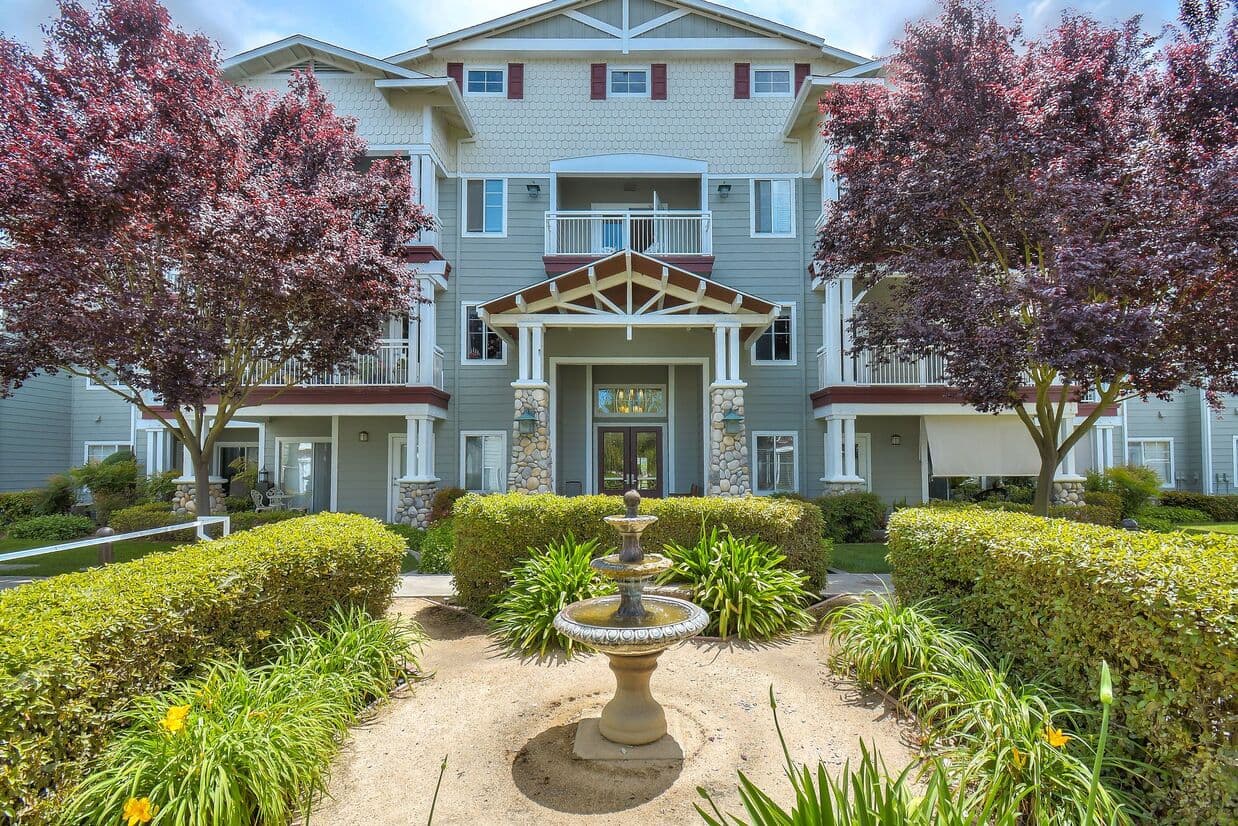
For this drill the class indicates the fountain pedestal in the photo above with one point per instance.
(633, 717)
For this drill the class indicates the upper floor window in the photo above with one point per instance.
(771, 81)
(633, 82)
(776, 461)
(484, 82)
(485, 206)
(772, 207)
(1154, 454)
(481, 344)
(777, 344)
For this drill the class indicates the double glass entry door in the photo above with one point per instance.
(630, 457)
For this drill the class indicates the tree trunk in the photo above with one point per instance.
(1044, 484)
(201, 483)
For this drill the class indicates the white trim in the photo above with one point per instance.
(643, 69)
(594, 23)
(501, 69)
(89, 443)
(393, 477)
(657, 22)
(1205, 415)
(795, 459)
(628, 163)
(752, 206)
(464, 207)
(464, 337)
(1233, 480)
(553, 45)
(503, 452)
(1169, 483)
(335, 464)
(795, 352)
(218, 463)
(864, 447)
(313, 45)
(774, 67)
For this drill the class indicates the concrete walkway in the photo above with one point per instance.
(424, 585)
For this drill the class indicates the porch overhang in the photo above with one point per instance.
(626, 290)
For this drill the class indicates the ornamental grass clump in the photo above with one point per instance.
(742, 585)
(545, 583)
(245, 744)
(886, 643)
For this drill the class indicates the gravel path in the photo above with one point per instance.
(506, 727)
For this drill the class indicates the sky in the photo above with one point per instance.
(385, 27)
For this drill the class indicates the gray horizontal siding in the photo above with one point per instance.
(35, 432)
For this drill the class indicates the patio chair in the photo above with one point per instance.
(257, 500)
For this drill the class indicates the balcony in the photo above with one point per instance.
(683, 237)
(388, 365)
(868, 367)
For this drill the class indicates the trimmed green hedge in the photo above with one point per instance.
(1219, 508)
(18, 505)
(1058, 597)
(151, 515)
(852, 517)
(56, 527)
(76, 649)
(493, 533)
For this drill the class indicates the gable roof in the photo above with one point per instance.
(299, 48)
(758, 25)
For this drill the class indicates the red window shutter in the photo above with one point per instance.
(657, 81)
(455, 71)
(802, 71)
(597, 81)
(515, 81)
(742, 81)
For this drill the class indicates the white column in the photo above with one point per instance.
(425, 450)
(427, 332)
(424, 180)
(537, 352)
(733, 349)
(410, 446)
(719, 354)
(833, 338)
(833, 448)
(847, 306)
(1066, 470)
(849, 447)
(522, 348)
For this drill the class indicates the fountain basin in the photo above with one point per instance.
(615, 568)
(667, 620)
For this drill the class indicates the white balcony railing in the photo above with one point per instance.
(387, 364)
(867, 367)
(654, 232)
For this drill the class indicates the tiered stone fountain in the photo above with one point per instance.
(632, 629)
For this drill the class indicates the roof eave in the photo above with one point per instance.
(234, 67)
(435, 83)
(806, 96)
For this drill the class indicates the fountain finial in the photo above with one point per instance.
(632, 500)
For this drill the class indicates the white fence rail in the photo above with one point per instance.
(869, 367)
(388, 364)
(655, 232)
(199, 525)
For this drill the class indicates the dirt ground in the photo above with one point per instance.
(506, 728)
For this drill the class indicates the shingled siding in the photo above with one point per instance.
(34, 432)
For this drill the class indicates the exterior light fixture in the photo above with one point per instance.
(724, 190)
(896, 440)
(526, 422)
(363, 436)
(732, 421)
(264, 476)
(533, 189)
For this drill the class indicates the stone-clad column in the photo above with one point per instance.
(729, 468)
(530, 470)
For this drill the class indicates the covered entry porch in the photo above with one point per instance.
(628, 375)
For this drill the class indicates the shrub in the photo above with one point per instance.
(1134, 485)
(1218, 508)
(1168, 517)
(852, 517)
(886, 642)
(157, 487)
(412, 535)
(151, 515)
(246, 520)
(437, 547)
(443, 503)
(58, 527)
(495, 532)
(1091, 514)
(741, 584)
(75, 649)
(18, 505)
(1057, 597)
(1103, 499)
(244, 744)
(543, 584)
(59, 495)
(238, 504)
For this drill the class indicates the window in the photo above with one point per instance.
(484, 82)
(483, 460)
(635, 400)
(485, 206)
(1156, 454)
(481, 344)
(772, 208)
(771, 81)
(776, 464)
(98, 451)
(629, 82)
(777, 344)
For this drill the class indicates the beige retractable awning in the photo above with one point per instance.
(981, 446)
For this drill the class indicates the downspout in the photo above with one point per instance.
(1205, 427)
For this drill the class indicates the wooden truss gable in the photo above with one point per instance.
(628, 289)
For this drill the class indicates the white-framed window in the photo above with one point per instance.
(98, 451)
(777, 344)
(624, 82)
(776, 468)
(771, 81)
(478, 343)
(630, 400)
(485, 80)
(773, 208)
(483, 461)
(1155, 454)
(485, 207)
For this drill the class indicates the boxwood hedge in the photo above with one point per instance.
(1057, 597)
(75, 649)
(494, 532)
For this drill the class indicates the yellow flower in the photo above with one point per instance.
(174, 720)
(262, 634)
(1055, 737)
(137, 811)
(1018, 758)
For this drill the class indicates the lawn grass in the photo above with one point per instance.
(860, 558)
(77, 559)
(1215, 527)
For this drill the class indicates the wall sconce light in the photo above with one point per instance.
(526, 422)
(264, 476)
(896, 440)
(724, 190)
(363, 436)
(732, 422)
(533, 189)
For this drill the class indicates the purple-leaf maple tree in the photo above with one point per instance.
(177, 238)
(1044, 213)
